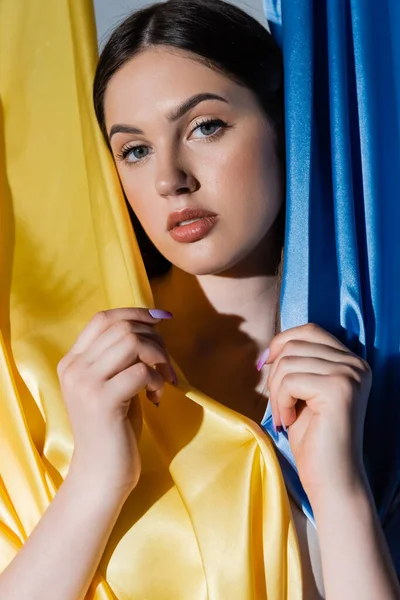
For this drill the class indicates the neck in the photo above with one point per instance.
(230, 308)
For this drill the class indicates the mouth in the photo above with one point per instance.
(187, 216)
(193, 230)
(188, 222)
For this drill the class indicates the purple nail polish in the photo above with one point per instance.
(160, 314)
(283, 424)
(263, 358)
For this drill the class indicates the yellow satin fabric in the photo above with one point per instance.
(210, 517)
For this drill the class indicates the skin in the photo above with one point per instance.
(317, 386)
(228, 284)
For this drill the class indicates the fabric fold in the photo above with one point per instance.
(210, 517)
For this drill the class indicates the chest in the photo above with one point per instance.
(231, 378)
(227, 374)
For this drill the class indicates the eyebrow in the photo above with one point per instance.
(173, 116)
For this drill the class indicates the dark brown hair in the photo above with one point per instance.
(221, 36)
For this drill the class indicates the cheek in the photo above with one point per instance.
(250, 181)
(151, 220)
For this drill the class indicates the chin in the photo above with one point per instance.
(213, 263)
(213, 255)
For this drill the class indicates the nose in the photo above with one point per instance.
(172, 178)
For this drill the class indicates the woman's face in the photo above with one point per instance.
(228, 167)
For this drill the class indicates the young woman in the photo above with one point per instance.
(196, 130)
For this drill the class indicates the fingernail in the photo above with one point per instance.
(157, 404)
(174, 375)
(160, 314)
(283, 424)
(263, 358)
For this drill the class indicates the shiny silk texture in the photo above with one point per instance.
(210, 517)
(342, 252)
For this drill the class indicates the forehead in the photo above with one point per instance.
(159, 79)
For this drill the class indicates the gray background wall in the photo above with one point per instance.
(110, 12)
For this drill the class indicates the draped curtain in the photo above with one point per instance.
(342, 253)
(210, 517)
(67, 250)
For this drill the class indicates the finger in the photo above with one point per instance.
(294, 364)
(121, 389)
(310, 349)
(296, 387)
(117, 331)
(104, 319)
(288, 416)
(125, 352)
(310, 333)
(166, 370)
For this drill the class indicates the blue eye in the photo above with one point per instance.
(128, 150)
(209, 123)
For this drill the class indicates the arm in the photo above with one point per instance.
(100, 378)
(60, 558)
(356, 562)
(319, 389)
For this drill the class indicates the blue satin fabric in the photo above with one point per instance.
(288, 465)
(342, 252)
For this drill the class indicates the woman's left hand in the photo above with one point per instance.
(319, 389)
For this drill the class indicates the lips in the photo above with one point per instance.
(194, 231)
(187, 214)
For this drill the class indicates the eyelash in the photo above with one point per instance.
(124, 153)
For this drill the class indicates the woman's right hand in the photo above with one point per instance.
(109, 364)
